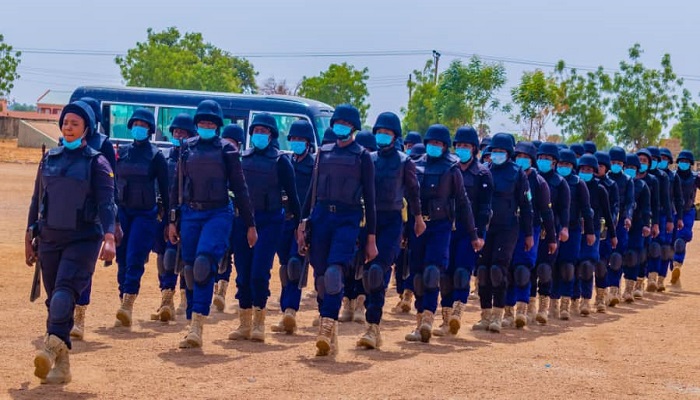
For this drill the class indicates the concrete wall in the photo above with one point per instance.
(29, 136)
(9, 128)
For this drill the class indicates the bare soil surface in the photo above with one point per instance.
(650, 349)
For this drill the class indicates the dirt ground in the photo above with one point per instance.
(650, 349)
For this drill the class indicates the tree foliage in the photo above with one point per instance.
(168, 59)
(339, 84)
(537, 97)
(9, 60)
(273, 86)
(688, 127)
(643, 100)
(421, 111)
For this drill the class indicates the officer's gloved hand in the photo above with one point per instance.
(371, 251)
(564, 235)
(628, 224)
(118, 233)
(109, 248)
(590, 239)
(478, 244)
(552, 248)
(529, 242)
(646, 231)
(252, 236)
(655, 230)
(419, 226)
(29, 253)
(669, 227)
(680, 224)
(172, 234)
(613, 242)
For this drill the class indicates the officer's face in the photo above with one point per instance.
(644, 160)
(437, 143)
(587, 169)
(206, 124)
(180, 134)
(665, 158)
(602, 170)
(409, 145)
(465, 146)
(73, 127)
(141, 124)
(620, 163)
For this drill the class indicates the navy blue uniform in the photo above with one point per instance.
(656, 195)
(641, 218)
(678, 206)
(76, 210)
(625, 186)
(605, 246)
(689, 184)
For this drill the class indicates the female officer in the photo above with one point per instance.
(73, 213)
(210, 168)
(268, 172)
(140, 165)
(181, 129)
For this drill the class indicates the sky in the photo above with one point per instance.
(586, 34)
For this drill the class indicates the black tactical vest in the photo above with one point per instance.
(504, 203)
(340, 175)
(260, 169)
(136, 189)
(436, 191)
(206, 177)
(389, 170)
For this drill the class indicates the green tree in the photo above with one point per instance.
(339, 84)
(9, 60)
(643, 100)
(22, 107)
(421, 112)
(168, 59)
(537, 97)
(688, 127)
(451, 100)
(582, 109)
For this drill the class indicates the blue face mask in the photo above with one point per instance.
(139, 133)
(464, 154)
(408, 152)
(564, 171)
(643, 168)
(523, 162)
(663, 164)
(433, 150)
(205, 133)
(175, 142)
(654, 164)
(585, 176)
(631, 172)
(544, 165)
(383, 139)
(72, 145)
(616, 168)
(342, 131)
(297, 147)
(498, 158)
(260, 140)
(683, 165)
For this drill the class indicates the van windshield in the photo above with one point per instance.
(322, 123)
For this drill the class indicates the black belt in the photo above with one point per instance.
(201, 206)
(336, 208)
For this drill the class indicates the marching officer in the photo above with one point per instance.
(412, 138)
(343, 183)
(210, 168)
(301, 140)
(678, 204)
(443, 201)
(511, 193)
(689, 185)
(607, 257)
(268, 172)
(667, 223)
(72, 215)
(651, 250)
(140, 167)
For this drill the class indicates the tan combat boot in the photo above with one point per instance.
(47, 358)
(444, 328)
(496, 320)
(484, 322)
(426, 326)
(474, 294)
(397, 308)
(244, 330)
(414, 336)
(554, 308)
(676, 276)
(288, 323)
(358, 314)
(532, 310)
(257, 334)
(124, 312)
(348, 311)
(407, 301)
(220, 295)
(520, 314)
(326, 341)
(78, 329)
(652, 280)
(629, 287)
(543, 310)
(585, 307)
(455, 321)
(600, 300)
(60, 373)
(564, 308)
(638, 291)
(193, 339)
(182, 307)
(508, 317)
(166, 312)
(614, 298)
(372, 339)
(660, 286)
(575, 306)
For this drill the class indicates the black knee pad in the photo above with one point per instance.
(642, 256)
(667, 252)
(601, 269)
(333, 279)
(497, 276)
(615, 261)
(169, 260)
(679, 246)
(654, 250)
(284, 275)
(461, 279)
(544, 273)
(587, 270)
(521, 276)
(61, 306)
(188, 272)
(202, 270)
(630, 258)
(567, 271)
(483, 274)
(295, 267)
(431, 277)
(373, 279)
(418, 287)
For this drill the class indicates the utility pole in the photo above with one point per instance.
(410, 86)
(436, 58)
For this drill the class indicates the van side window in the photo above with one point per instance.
(284, 122)
(165, 118)
(119, 115)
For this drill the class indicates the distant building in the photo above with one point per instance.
(52, 102)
